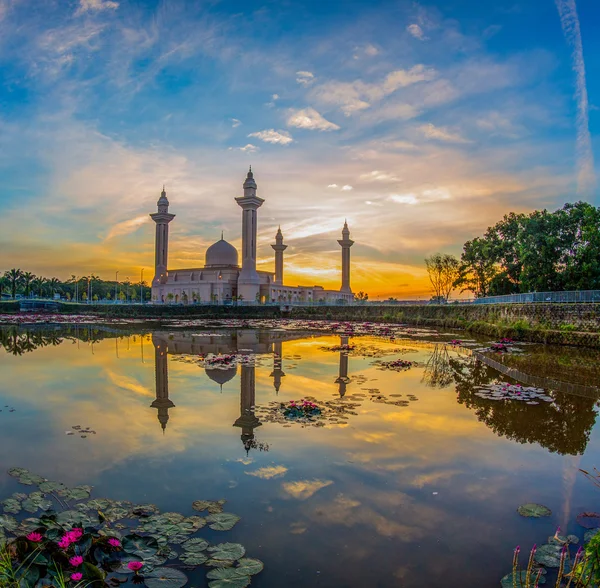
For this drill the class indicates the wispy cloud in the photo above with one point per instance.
(126, 227)
(273, 136)
(235, 122)
(309, 118)
(249, 148)
(586, 178)
(416, 31)
(95, 6)
(305, 78)
(430, 131)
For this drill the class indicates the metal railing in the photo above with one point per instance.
(576, 296)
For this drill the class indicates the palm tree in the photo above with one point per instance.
(38, 285)
(53, 284)
(3, 285)
(27, 279)
(14, 277)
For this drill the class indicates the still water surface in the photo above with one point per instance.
(416, 484)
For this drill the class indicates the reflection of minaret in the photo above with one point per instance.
(248, 420)
(277, 372)
(343, 376)
(162, 401)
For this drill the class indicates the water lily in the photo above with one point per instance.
(76, 576)
(34, 537)
(135, 566)
(114, 542)
(75, 561)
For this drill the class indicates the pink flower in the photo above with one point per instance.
(35, 537)
(76, 560)
(135, 566)
(114, 542)
(64, 543)
(76, 576)
(75, 534)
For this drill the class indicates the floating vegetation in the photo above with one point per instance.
(534, 510)
(589, 520)
(506, 391)
(83, 432)
(398, 365)
(301, 409)
(100, 542)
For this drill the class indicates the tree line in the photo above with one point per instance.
(17, 283)
(537, 252)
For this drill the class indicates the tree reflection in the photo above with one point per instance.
(438, 371)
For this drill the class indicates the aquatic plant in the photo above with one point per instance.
(303, 408)
(80, 542)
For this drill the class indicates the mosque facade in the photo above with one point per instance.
(222, 279)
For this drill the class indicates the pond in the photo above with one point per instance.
(410, 474)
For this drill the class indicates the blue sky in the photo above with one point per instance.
(422, 123)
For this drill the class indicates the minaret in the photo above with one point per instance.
(162, 218)
(346, 243)
(248, 281)
(342, 379)
(277, 372)
(248, 420)
(162, 401)
(279, 248)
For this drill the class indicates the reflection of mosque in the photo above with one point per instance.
(232, 341)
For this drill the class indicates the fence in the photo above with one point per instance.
(563, 297)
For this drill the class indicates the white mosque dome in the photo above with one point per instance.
(221, 253)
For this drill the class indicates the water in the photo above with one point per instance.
(413, 490)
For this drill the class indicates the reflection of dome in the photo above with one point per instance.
(221, 376)
(221, 253)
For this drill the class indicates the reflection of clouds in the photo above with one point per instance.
(269, 472)
(303, 489)
(128, 383)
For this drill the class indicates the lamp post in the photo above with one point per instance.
(126, 288)
(116, 284)
(142, 287)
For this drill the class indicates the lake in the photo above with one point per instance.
(410, 476)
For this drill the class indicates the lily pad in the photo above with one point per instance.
(213, 506)
(250, 566)
(589, 520)
(223, 521)
(589, 535)
(8, 522)
(227, 551)
(219, 563)
(47, 487)
(193, 558)
(548, 555)
(227, 578)
(534, 510)
(140, 546)
(11, 506)
(195, 545)
(507, 581)
(77, 493)
(165, 578)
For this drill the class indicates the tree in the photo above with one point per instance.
(14, 277)
(361, 297)
(37, 285)
(477, 268)
(27, 279)
(443, 270)
(54, 285)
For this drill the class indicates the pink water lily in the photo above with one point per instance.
(76, 576)
(34, 537)
(135, 566)
(75, 561)
(114, 542)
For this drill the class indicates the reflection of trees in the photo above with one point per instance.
(438, 371)
(563, 426)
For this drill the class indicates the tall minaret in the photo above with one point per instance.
(162, 402)
(248, 421)
(248, 281)
(277, 372)
(162, 218)
(342, 379)
(346, 243)
(279, 248)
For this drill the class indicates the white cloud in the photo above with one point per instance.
(273, 136)
(303, 489)
(404, 198)
(428, 195)
(96, 6)
(306, 78)
(309, 118)
(378, 176)
(371, 50)
(235, 122)
(416, 31)
(275, 97)
(246, 149)
(346, 188)
(332, 186)
(441, 134)
(268, 472)
(356, 96)
(586, 178)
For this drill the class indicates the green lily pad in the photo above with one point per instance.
(140, 546)
(588, 520)
(507, 581)
(36, 501)
(70, 517)
(17, 472)
(98, 504)
(165, 578)
(227, 551)
(77, 493)
(193, 558)
(219, 563)
(195, 545)
(250, 566)
(195, 522)
(227, 578)
(47, 487)
(11, 506)
(548, 555)
(534, 510)
(213, 506)
(223, 521)
(8, 522)
(144, 510)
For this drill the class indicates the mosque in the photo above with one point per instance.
(222, 280)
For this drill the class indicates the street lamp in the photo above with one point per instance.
(116, 284)
(142, 287)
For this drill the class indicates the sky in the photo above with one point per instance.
(421, 123)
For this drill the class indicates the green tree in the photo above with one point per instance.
(361, 297)
(14, 277)
(477, 268)
(443, 271)
(27, 280)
